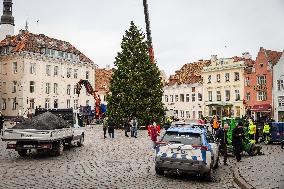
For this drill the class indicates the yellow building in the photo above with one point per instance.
(223, 86)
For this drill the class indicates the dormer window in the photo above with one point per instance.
(261, 64)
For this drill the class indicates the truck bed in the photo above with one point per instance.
(33, 134)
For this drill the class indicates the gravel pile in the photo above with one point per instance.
(45, 121)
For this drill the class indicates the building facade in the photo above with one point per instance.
(278, 90)
(39, 71)
(258, 85)
(184, 101)
(223, 86)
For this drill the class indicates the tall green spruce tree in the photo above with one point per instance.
(136, 87)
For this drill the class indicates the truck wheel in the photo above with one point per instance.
(208, 176)
(81, 141)
(253, 150)
(159, 171)
(22, 153)
(58, 148)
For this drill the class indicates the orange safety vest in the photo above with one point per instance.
(215, 124)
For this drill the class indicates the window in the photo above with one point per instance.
(15, 67)
(68, 103)
(75, 73)
(47, 88)
(176, 98)
(75, 89)
(261, 80)
(55, 88)
(47, 51)
(32, 103)
(199, 97)
(237, 92)
(193, 97)
(209, 79)
(69, 70)
(193, 114)
(218, 95)
(55, 70)
(261, 96)
(32, 68)
(248, 96)
(4, 106)
(227, 77)
(60, 54)
(55, 103)
(171, 98)
(14, 104)
(199, 114)
(68, 89)
(227, 94)
(280, 85)
(261, 64)
(87, 102)
(210, 96)
(281, 101)
(187, 114)
(75, 104)
(166, 98)
(218, 78)
(87, 74)
(237, 76)
(47, 70)
(47, 103)
(247, 81)
(187, 98)
(32, 86)
(14, 87)
(182, 113)
(181, 96)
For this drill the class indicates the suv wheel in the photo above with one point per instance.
(22, 153)
(80, 143)
(159, 171)
(58, 148)
(209, 175)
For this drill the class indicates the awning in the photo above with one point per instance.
(221, 104)
(261, 108)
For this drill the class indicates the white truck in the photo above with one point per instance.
(53, 141)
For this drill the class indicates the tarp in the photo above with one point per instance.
(261, 108)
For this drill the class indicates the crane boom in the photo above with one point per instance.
(148, 32)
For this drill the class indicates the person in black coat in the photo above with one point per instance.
(1, 120)
(223, 139)
(111, 126)
(237, 140)
(126, 126)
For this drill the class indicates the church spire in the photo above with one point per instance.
(7, 17)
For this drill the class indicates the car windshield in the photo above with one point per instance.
(183, 138)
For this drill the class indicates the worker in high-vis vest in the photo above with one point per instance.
(252, 131)
(215, 125)
(266, 132)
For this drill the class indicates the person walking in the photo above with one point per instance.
(126, 126)
(238, 135)
(252, 131)
(105, 124)
(154, 134)
(222, 138)
(134, 127)
(266, 133)
(111, 125)
(1, 120)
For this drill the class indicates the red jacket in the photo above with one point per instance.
(154, 133)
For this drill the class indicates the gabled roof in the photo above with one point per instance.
(35, 43)
(273, 56)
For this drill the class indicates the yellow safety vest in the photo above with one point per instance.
(266, 129)
(252, 129)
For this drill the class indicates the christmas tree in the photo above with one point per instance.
(135, 88)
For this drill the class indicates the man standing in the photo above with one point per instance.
(134, 127)
(126, 126)
(215, 125)
(105, 126)
(111, 128)
(1, 120)
(238, 135)
(154, 134)
(266, 133)
(222, 137)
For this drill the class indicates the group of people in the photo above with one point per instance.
(130, 125)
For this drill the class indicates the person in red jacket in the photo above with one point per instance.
(154, 134)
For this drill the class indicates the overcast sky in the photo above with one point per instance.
(183, 31)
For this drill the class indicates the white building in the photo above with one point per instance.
(39, 71)
(278, 90)
(7, 20)
(185, 100)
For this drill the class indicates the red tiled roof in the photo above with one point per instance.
(35, 43)
(102, 79)
(273, 56)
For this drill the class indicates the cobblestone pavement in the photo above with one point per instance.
(265, 171)
(101, 163)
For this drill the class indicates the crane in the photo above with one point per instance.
(148, 31)
(91, 91)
